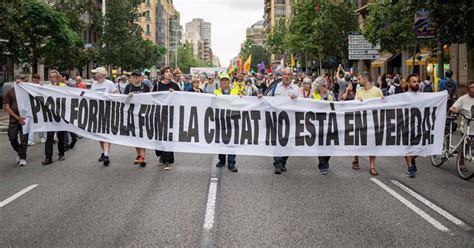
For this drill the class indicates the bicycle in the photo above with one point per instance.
(462, 149)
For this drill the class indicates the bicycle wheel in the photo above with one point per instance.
(438, 160)
(466, 168)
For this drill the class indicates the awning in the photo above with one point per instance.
(381, 61)
(425, 59)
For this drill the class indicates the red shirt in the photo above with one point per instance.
(81, 85)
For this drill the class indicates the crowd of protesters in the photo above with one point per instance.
(342, 86)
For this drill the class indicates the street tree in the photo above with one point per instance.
(34, 31)
(187, 59)
(259, 54)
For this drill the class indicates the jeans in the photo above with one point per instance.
(280, 161)
(31, 136)
(15, 129)
(50, 142)
(166, 157)
(230, 159)
(323, 163)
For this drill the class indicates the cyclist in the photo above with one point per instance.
(463, 105)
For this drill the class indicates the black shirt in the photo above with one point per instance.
(166, 87)
(136, 89)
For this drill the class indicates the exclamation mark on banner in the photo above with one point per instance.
(171, 115)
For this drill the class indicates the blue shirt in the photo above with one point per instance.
(187, 86)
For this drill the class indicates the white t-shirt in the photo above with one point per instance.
(106, 87)
(463, 105)
(281, 90)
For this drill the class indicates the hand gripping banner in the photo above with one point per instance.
(404, 124)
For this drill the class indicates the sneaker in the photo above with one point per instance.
(411, 172)
(323, 172)
(220, 164)
(31, 143)
(47, 161)
(22, 162)
(283, 168)
(61, 158)
(101, 159)
(137, 159)
(414, 166)
(17, 159)
(278, 169)
(43, 140)
(233, 168)
(106, 160)
(167, 166)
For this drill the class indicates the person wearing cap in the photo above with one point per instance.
(101, 84)
(167, 84)
(322, 93)
(15, 123)
(187, 84)
(226, 90)
(55, 78)
(137, 86)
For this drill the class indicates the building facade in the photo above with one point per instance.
(256, 33)
(198, 34)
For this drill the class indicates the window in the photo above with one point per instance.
(280, 11)
(280, 1)
(147, 29)
(148, 15)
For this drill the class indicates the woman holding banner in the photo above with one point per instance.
(167, 158)
(322, 93)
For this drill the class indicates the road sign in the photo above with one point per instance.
(361, 49)
(363, 46)
(371, 52)
(364, 56)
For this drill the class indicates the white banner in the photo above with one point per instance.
(404, 124)
(207, 70)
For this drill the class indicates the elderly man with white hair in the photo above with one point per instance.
(102, 84)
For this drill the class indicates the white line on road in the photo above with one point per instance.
(13, 197)
(211, 205)
(411, 206)
(431, 205)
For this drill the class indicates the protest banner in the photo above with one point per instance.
(404, 124)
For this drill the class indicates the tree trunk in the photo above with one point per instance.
(414, 59)
(34, 64)
(440, 59)
(320, 63)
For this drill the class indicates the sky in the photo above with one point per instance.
(229, 19)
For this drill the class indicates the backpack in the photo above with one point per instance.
(428, 88)
(398, 89)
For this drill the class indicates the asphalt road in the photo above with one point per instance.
(78, 202)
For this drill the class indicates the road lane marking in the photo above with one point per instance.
(15, 196)
(211, 205)
(429, 204)
(411, 206)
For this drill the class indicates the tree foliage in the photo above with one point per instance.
(187, 59)
(259, 54)
(34, 31)
(317, 28)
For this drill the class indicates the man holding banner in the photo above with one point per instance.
(284, 89)
(226, 90)
(105, 86)
(413, 87)
(367, 91)
(54, 78)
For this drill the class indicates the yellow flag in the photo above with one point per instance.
(292, 61)
(231, 69)
(247, 64)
